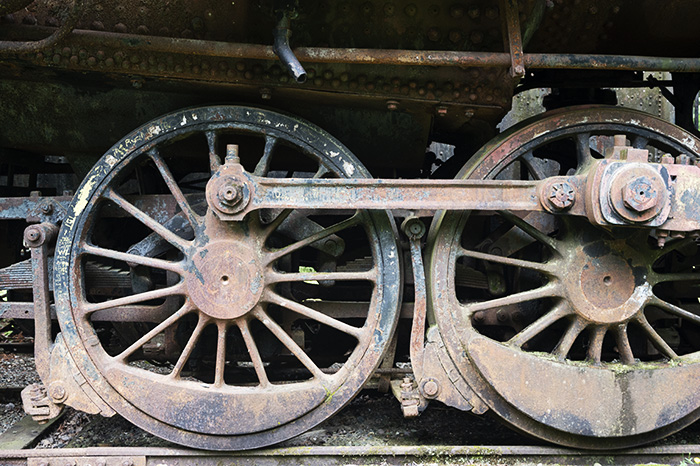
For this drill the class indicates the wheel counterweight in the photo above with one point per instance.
(229, 354)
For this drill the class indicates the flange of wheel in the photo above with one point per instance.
(240, 315)
(579, 335)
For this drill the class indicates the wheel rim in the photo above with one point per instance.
(245, 285)
(583, 352)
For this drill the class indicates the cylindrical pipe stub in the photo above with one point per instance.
(37, 235)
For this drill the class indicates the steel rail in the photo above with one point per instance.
(395, 57)
(332, 455)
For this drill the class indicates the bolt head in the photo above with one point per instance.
(561, 195)
(431, 388)
(640, 194)
(230, 194)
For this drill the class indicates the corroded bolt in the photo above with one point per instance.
(640, 194)
(230, 194)
(46, 208)
(561, 195)
(431, 388)
(57, 392)
(33, 234)
(683, 159)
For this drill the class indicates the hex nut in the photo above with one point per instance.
(640, 194)
(559, 195)
(57, 392)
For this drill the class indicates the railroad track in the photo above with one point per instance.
(326, 455)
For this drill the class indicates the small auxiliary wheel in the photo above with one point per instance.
(241, 344)
(580, 335)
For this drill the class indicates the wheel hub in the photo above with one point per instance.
(225, 280)
(602, 282)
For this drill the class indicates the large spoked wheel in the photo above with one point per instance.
(579, 335)
(237, 342)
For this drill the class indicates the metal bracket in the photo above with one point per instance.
(414, 229)
(512, 37)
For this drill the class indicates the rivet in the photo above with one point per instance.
(433, 34)
(410, 9)
(142, 29)
(120, 27)
(97, 26)
(474, 12)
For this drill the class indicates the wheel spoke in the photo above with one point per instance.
(544, 268)
(564, 346)
(365, 275)
(547, 291)
(185, 309)
(623, 344)
(318, 316)
(214, 159)
(253, 352)
(531, 164)
(187, 350)
(639, 141)
(220, 366)
(347, 223)
(595, 344)
(288, 342)
(656, 278)
(321, 172)
(274, 225)
(176, 267)
(668, 248)
(561, 309)
(191, 216)
(263, 166)
(675, 310)
(583, 148)
(656, 339)
(151, 223)
(529, 229)
(89, 308)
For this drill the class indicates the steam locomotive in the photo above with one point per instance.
(281, 230)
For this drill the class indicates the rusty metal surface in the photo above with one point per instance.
(71, 15)
(591, 285)
(390, 454)
(245, 270)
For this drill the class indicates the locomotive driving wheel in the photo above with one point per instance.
(580, 335)
(240, 315)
